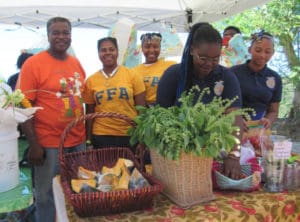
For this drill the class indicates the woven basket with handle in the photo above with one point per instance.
(102, 203)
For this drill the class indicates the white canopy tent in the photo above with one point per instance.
(146, 14)
(27, 19)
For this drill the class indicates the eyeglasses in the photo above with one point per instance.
(204, 59)
(151, 36)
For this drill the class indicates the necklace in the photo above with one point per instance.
(107, 77)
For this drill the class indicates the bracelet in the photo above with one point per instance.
(234, 154)
(88, 142)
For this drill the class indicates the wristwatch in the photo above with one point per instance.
(235, 154)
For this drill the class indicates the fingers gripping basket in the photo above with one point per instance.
(102, 203)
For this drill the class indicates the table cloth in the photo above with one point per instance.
(228, 206)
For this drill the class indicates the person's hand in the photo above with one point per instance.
(232, 168)
(265, 122)
(36, 155)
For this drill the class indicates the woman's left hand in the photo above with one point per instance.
(265, 122)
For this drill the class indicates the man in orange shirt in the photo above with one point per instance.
(52, 79)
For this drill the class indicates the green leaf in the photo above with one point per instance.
(198, 128)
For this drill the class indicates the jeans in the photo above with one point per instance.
(43, 175)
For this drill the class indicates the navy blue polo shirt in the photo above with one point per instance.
(221, 82)
(259, 89)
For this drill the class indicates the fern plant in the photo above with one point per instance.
(192, 127)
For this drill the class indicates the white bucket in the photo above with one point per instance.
(9, 164)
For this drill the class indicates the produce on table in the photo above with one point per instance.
(118, 177)
(86, 174)
(80, 185)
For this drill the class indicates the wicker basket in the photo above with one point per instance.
(103, 203)
(187, 181)
(251, 182)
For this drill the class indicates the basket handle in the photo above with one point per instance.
(93, 116)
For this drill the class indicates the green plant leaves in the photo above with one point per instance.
(202, 129)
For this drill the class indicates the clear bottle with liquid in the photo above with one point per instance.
(291, 176)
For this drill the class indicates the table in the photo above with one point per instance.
(228, 206)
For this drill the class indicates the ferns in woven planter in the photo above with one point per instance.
(191, 127)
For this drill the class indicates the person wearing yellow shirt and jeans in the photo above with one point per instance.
(114, 88)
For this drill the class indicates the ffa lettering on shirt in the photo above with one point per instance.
(111, 93)
(151, 81)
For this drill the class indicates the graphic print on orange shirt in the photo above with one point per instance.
(70, 95)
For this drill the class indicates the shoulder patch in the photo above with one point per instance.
(219, 87)
(270, 82)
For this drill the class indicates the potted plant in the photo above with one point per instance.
(10, 115)
(183, 140)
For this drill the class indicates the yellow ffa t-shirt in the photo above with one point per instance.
(113, 94)
(151, 74)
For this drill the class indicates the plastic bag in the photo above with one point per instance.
(255, 131)
(247, 152)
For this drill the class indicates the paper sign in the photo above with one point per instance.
(282, 149)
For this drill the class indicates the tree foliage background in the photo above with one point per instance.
(282, 19)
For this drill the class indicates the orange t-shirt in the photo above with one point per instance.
(56, 86)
